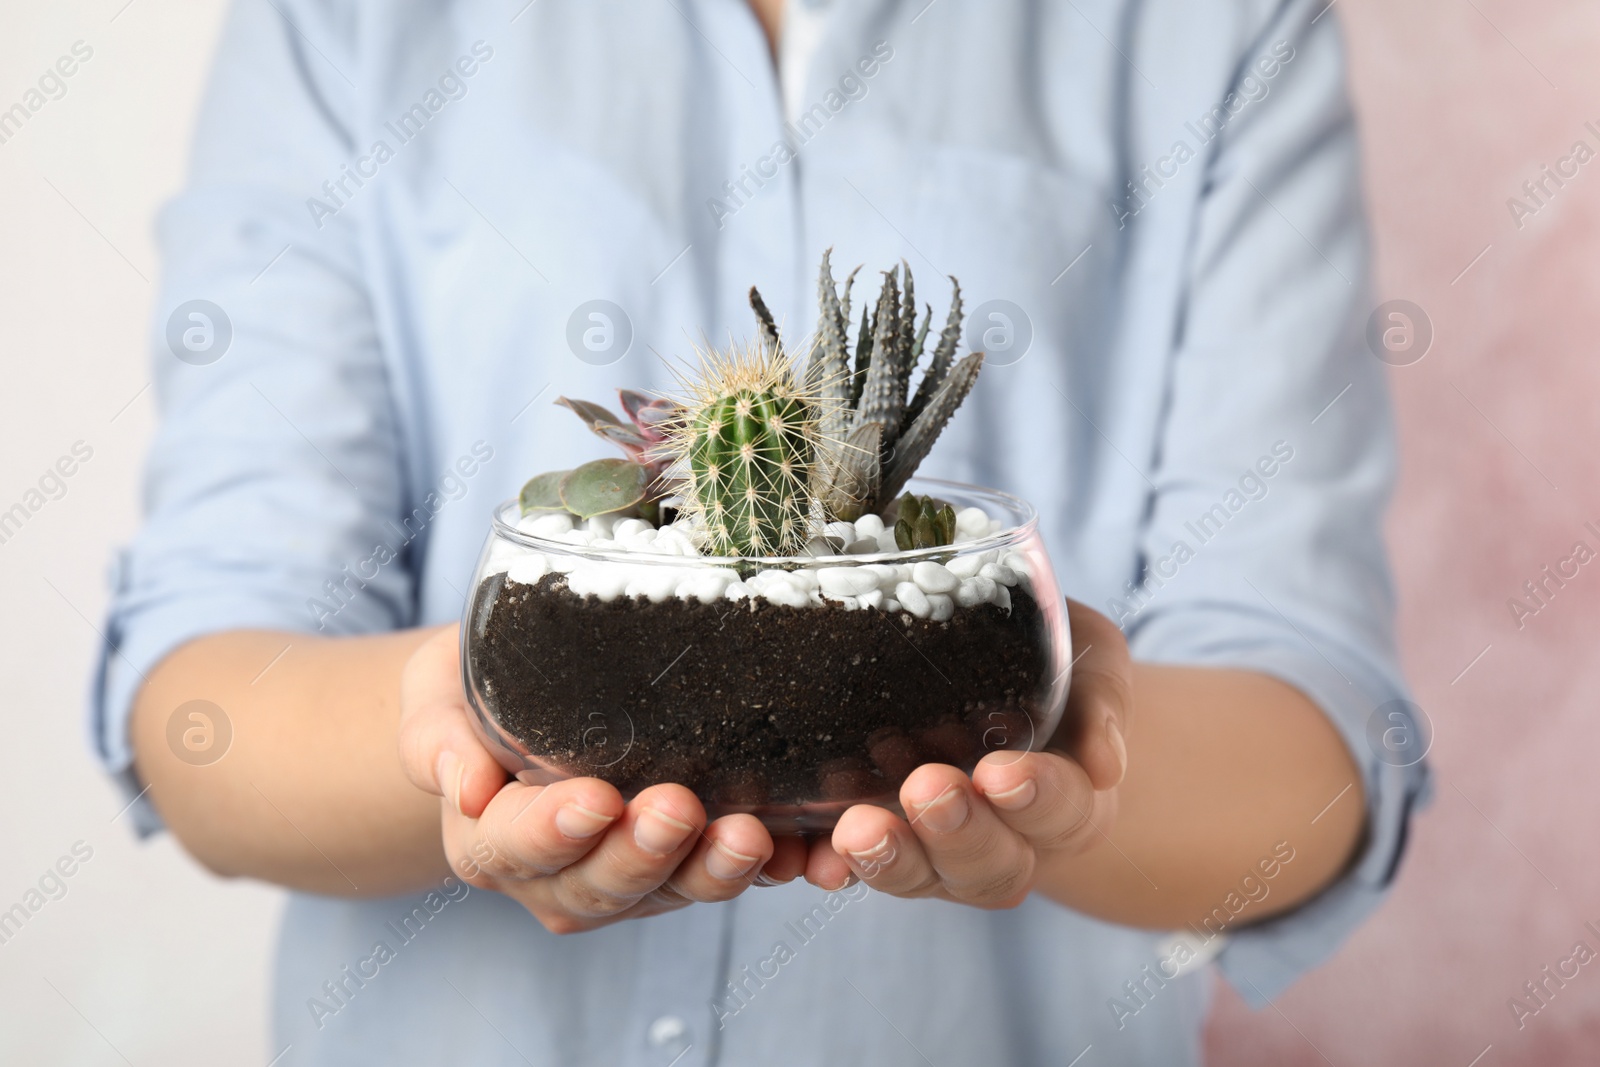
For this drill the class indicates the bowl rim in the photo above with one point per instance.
(1020, 532)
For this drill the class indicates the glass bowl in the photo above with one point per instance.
(790, 688)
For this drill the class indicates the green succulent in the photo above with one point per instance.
(922, 522)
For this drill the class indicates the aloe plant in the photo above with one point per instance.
(874, 430)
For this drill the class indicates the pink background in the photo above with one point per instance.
(1462, 101)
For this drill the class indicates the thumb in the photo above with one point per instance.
(439, 750)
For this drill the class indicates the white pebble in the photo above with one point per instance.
(738, 591)
(803, 580)
(869, 526)
(787, 595)
(844, 531)
(975, 591)
(578, 537)
(705, 587)
(997, 573)
(551, 525)
(847, 581)
(873, 600)
(886, 542)
(940, 607)
(932, 577)
(849, 603)
(912, 599)
(529, 569)
(628, 529)
(867, 546)
(891, 605)
(967, 565)
(607, 583)
(973, 520)
(1002, 597)
(655, 583)
(600, 525)
(888, 575)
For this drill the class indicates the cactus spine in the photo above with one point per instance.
(748, 436)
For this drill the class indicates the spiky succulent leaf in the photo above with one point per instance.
(828, 373)
(768, 328)
(943, 353)
(542, 492)
(858, 377)
(847, 474)
(883, 396)
(604, 486)
(913, 446)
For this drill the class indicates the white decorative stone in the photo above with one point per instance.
(787, 595)
(886, 542)
(600, 525)
(844, 531)
(976, 591)
(933, 577)
(996, 572)
(865, 547)
(965, 566)
(1002, 597)
(551, 525)
(873, 600)
(940, 607)
(847, 581)
(888, 575)
(974, 521)
(891, 605)
(804, 580)
(738, 591)
(628, 529)
(579, 537)
(912, 599)
(869, 526)
(529, 568)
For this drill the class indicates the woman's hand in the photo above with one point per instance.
(981, 841)
(572, 853)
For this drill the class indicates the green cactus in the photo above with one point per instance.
(748, 436)
(923, 523)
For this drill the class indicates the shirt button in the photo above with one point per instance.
(669, 1031)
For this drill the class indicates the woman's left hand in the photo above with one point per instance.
(980, 840)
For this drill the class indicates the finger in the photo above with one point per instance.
(824, 867)
(439, 751)
(883, 851)
(1100, 700)
(725, 862)
(1045, 798)
(529, 832)
(789, 857)
(657, 830)
(979, 859)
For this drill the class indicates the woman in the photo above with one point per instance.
(416, 224)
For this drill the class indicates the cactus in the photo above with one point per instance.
(923, 523)
(748, 438)
(874, 431)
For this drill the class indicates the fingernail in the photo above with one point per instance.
(449, 772)
(659, 833)
(765, 880)
(1016, 798)
(946, 813)
(1119, 746)
(875, 858)
(724, 863)
(578, 822)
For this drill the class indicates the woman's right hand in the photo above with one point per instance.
(573, 853)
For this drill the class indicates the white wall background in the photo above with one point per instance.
(146, 959)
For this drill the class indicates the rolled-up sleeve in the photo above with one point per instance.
(1284, 572)
(276, 462)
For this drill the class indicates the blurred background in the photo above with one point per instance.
(145, 959)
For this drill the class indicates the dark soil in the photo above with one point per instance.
(774, 706)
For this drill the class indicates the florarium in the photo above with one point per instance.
(757, 600)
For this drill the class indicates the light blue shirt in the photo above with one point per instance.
(404, 209)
